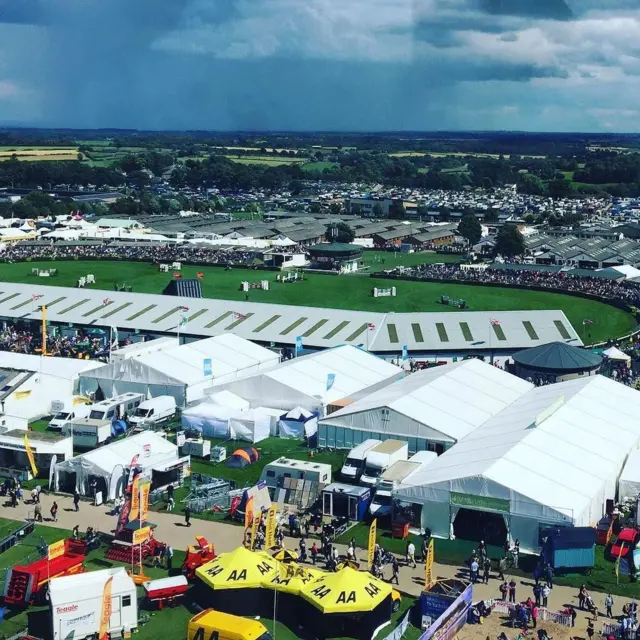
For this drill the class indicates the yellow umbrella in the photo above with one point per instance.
(286, 555)
(291, 578)
(347, 591)
(351, 564)
(239, 569)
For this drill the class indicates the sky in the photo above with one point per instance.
(372, 65)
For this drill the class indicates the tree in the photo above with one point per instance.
(397, 210)
(335, 208)
(470, 228)
(509, 241)
(339, 232)
(377, 210)
(491, 215)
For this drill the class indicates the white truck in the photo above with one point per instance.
(380, 458)
(88, 433)
(354, 464)
(397, 474)
(63, 411)
(76, 604)
(153, 412)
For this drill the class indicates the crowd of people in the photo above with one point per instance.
(623, 290)
(24, 339)
(140, 251)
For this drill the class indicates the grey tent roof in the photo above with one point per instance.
(557, 356)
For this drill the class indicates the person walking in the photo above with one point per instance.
(37, 512)
(54, 511)
(314, 552)
(485, 570)
(548, 575)
(502, 567)
(411, 554)
(395, 567)
(537, 593)
(76, 500)
(171, 503)
(169, 554)
(187, 516)
(608, 603)
(534, 615)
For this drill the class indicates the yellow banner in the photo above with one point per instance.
(140, 536)
(55, 549)
(248, 513)
(105, 615)
(145, 489)
(19, 395)
(270, 535)
(428, 565)
(135, 499)
(32, 460)
(254, 531)
(372, 542)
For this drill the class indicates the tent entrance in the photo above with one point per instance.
(470, 524)
(66, 481)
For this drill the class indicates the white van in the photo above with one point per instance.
(354, 464)
(116, 408)
(64, 411)
(155, 411)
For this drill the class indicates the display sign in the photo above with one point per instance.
(207, 367)
(140, 536)
(298, 343)
(69, 625)
(248, 513)
(107, 607)
(181, 438)
(405, 352)
(55, 550)
(452, 620)
(484, 503)
(372, 542)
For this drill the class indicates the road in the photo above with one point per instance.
(171, 529)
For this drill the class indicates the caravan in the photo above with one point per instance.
(116, 408)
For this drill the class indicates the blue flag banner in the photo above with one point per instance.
(405, 352)
(298, 343)
(331, 378)
(207, 367)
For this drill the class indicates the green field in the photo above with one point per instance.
(347, 293)
(319, 166)
(271, 161)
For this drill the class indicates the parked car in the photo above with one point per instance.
(626, 540)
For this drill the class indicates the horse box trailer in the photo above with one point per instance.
(88, 433)
(76, 604)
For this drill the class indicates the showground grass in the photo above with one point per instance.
(339, 292)
(272, 161)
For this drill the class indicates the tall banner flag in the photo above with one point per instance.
(372, 542)
(248, 513)
(32, 460)
(145, 489)
(270, 535)
(134, 512)
(105, 615)
(132, 470)
(405, 352)
(428, 566)
(254, 530)
(331, 378)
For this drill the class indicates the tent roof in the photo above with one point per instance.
(452, 399)
(631, 471)
(557, 356)
(122, 452)
(68, 368)
(613, 353)
(556, 445)
(184, 364)
(354, 370)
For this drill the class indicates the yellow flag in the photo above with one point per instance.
(144, 506)
(428, 566)
(56, 549)
(140, 536)
(134, 512)
(270, 535)
(32, 460)
(105, 615)
(254, 531)
(372, 542)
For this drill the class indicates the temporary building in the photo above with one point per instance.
(232, 581)
(184, 371)
(613, 353)
(552, 457)
(215, 421)
(109, 465)
(29, 384)
(228, 399)
(316, 380)
(430, 409)
(298, 423)
(629, 483)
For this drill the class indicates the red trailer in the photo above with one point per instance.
(197, 555)
(29, 583)
(166, 590)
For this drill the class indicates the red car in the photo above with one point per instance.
(626, 540)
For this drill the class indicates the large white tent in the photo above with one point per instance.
(182, 371)
(551, 457)
(109, 465)
(315, 380)
(629, 482)
(430, 409)
(31, 383)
